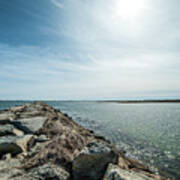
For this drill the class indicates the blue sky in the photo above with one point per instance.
(81, 49)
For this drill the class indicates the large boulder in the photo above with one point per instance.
(115, 173)
(31, 124)
(92, 161)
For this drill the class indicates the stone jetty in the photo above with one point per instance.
(38, 142)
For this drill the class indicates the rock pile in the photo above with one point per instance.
(38, 142)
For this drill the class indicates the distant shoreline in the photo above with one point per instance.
(104, 101)
(140, 101)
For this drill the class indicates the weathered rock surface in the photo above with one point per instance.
(26, 142)
(18, 132)
(16, 144)
(39, 142)
(32, 123)
(93, 160)
(6, 116)
(8, 169)
(116, 173)
(6, 130)
(49, 171)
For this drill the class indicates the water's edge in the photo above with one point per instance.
(135, 147)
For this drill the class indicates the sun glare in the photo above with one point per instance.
(129, 9)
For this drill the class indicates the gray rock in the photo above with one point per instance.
(49, 171)
(6, 116)
(26, 142)
(9, 148)
(115, 173)
(16, 144)
(31, 124)
(9, 170)
(6, 130)
(8, 139)
(22, 127)
(92, 161)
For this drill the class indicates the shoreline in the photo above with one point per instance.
(103, 101)
(139, 101)
(43, 141)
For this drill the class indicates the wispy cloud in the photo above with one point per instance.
(57, 3)
(85, 51)
(66, 79)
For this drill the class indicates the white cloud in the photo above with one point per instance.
(107, 57)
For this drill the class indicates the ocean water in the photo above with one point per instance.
(148, 132)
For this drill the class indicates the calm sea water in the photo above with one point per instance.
(149, 132)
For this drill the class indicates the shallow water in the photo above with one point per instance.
(149, 132)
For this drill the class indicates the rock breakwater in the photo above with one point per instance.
(39, 142)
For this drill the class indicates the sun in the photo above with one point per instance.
(129, 9)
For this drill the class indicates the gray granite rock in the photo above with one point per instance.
(92, 161)
(6, 130)
(9, 170)
(115, 173)
(16, 144)
(31, 124)
(8, 139)
(49, 171)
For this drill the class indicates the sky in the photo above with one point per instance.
(89, 49)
